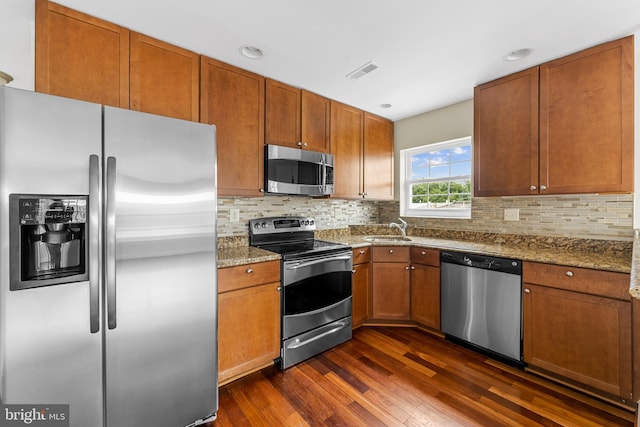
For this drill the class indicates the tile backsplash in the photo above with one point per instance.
(583, 216)
(329, 213)
(608, 217)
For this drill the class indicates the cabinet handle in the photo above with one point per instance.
(569, 273)
(543, 187)
(353, 272)
(249, 270)
(533, 187)
(302, 144)
(527, 290)
(261, 190)
(423, 253)
(279, 288)
(362, 252)
(412, 267)
(390, 251)
(406, 268)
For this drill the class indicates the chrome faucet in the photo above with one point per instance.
(402, 228)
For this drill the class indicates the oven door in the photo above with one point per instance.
(317, 291)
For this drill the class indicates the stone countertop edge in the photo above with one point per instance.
(242, 255)
(634, 285)
(229, 257)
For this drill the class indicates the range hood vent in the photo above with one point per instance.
(362, 70)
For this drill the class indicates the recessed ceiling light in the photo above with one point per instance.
(518, 54)
(251, 52)
(385, 106)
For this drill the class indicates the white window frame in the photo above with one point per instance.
(406, 181)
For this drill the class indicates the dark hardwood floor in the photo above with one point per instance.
(405, 377)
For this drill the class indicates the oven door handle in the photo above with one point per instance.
(318, 261)
(297, 344)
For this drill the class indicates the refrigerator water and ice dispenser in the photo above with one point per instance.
(48, 240)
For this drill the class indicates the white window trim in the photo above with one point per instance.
(405, 188)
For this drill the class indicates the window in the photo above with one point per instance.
(436, 180)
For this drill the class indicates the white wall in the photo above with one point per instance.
(17, 30)
(452, 122)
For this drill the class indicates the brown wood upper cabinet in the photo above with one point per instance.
(165, 79)
(296, 117)
(362, 148)
(378, 158)
(233, 100)
(81, 57)
(578, 138)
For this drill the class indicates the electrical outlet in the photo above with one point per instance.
(234, 215)
(512, 214)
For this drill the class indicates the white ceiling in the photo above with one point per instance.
(431, 53)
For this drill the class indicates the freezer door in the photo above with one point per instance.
(48, 352)
(161, 290)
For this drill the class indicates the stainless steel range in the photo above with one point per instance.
(316, 281)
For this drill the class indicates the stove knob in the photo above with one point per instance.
(311, 222)
(264, 225)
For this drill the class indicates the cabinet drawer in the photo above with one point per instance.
(361, 255)
(425, 256)
(391, 253)
(244, 276)
(594, 282)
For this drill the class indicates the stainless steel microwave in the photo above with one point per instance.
(295, 171)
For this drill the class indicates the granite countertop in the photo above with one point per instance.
(572, 258)
(634, 287)
(240, 255)
(233, 256)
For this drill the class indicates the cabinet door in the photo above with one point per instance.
(346, 147)
(505, 140)
(248, 329)
(79, 56)
(390, 288)
(282, 114)
(378, 158)
(425, 295)
(581, 337)
(361, 310)
(586, 120)
(233, 100)
(165, 79)
(315, 119)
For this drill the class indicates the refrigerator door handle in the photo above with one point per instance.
(110, 247)
(94, 243)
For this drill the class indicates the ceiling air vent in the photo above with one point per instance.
(362, 70)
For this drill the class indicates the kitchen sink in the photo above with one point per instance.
(387, 239)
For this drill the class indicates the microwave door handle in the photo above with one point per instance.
(323, 178)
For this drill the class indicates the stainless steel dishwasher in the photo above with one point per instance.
(481, 303)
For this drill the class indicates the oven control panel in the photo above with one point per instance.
(286, 224)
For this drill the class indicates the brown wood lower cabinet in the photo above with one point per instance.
(248, 318)
(577, 325)
(391, 283)
(425, 287)
(361, 300)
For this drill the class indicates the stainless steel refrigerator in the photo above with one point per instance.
(108, 286)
